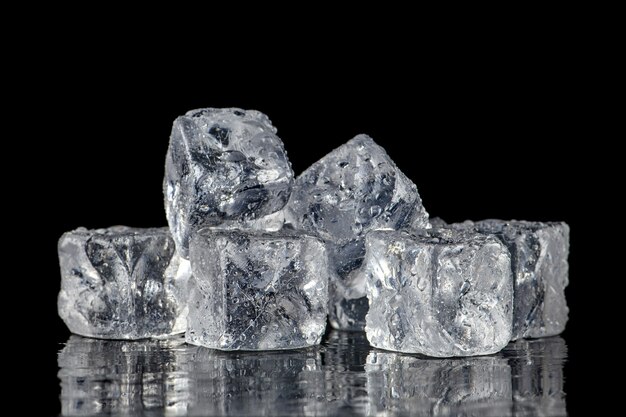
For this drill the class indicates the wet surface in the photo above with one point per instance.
(344, 376)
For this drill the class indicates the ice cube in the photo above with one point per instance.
(352, 190)
(223, 165)
(438, 292)
(122, 283)
(539, 254)
(256, 290)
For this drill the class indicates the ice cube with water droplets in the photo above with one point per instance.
(438, 292)
(274, 256)
(223, 166)
(352, 190)
(257, 290)
(539, 254)
(122, 283)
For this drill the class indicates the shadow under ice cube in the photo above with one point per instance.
(257, 291)
(438, 292)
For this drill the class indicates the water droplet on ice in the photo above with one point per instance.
(375, 211)
(421, 283)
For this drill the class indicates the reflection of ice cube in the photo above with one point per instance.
(342, 377)
(123, 377)
(346, 383)
(399, 383)
(537, 367)
(256, 383)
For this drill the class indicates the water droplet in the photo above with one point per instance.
(235, 300)
(421, 283)
(465, 287)
(375, 211)
(243, 336)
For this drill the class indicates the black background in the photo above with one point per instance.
(486, 129)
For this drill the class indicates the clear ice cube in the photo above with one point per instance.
(257, 290)
(539, 254)
(223, 165)
(122, 283)
(438, 292)
(352, 190)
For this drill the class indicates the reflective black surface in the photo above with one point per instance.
(344, 376)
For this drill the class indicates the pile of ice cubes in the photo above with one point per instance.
(255, 259)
